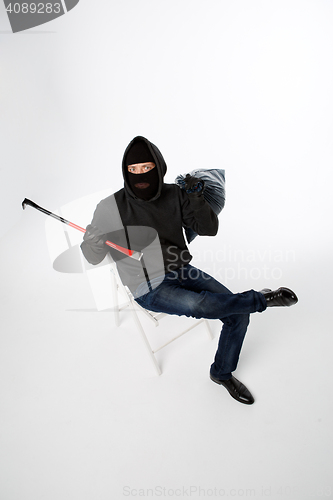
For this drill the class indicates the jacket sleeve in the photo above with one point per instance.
(107, 219)
(198, 215)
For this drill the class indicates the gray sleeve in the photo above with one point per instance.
(107, 219)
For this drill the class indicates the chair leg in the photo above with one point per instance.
(143, 335)
(115, 299)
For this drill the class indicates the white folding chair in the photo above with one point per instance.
(117, 289)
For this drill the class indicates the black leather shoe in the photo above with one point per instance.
(236, 389)
(282, 297)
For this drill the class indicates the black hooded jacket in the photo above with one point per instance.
(159, 223)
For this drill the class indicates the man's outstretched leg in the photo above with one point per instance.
(230, 344)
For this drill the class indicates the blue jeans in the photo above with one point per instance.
(191, 292)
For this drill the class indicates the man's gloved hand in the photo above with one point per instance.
(94, 237)
(194, 185)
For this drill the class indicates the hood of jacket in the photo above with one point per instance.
(158, 160)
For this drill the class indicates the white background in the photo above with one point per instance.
(241, 85)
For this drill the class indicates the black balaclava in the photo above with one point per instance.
(144, 186)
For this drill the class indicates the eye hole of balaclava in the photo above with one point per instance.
(144, 186)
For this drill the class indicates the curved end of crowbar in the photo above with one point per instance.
(26, 202)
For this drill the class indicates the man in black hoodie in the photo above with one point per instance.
(149, 215)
